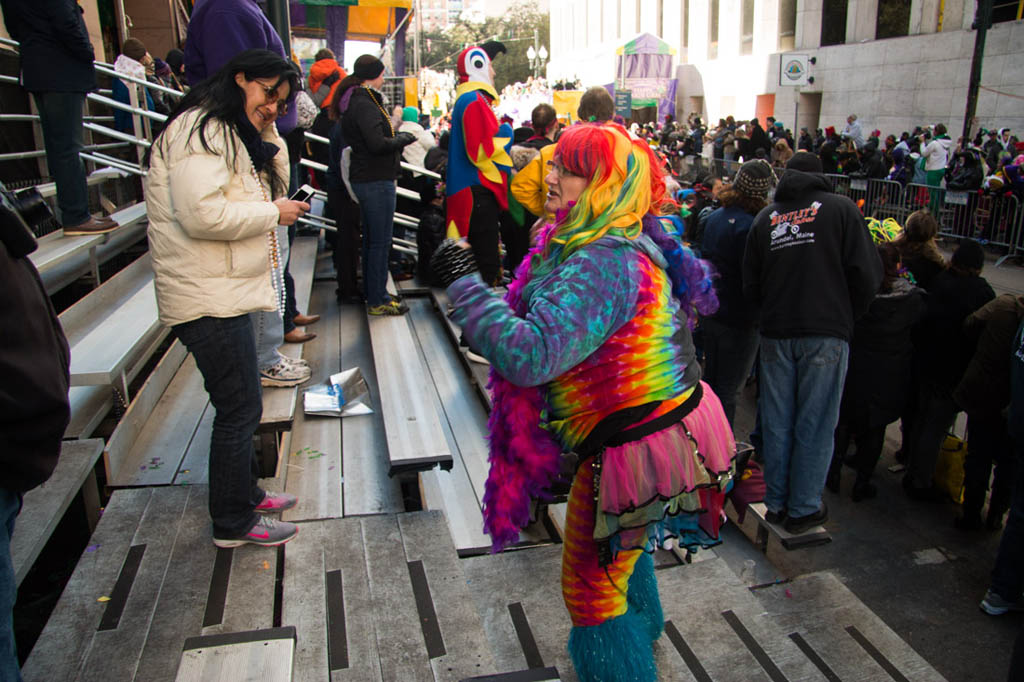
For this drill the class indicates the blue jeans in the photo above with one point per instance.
(10, 505)
(729, 354)
(801, 386)
(225, 353)
(1008, 574)
(60, 117)
(377, 204)
(267, 325)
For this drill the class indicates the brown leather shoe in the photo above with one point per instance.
(303, 320)
(91, 226)
(298, 336)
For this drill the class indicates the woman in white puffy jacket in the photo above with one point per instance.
(214, 194)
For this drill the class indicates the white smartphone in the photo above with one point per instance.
(304, 193)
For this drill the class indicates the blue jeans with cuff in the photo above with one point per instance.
(60, 117)
(377, 204)
(801, 383)
(10, 505)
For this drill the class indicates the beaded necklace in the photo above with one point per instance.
(386, 117)
(274, 249)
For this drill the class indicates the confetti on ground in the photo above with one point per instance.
(330, 468)
(186, 471)
(91, 548)
(266, 565)
(789, 595)
(103, 599)
(142, 468)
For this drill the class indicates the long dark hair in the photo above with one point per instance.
(347, 83)
(223, 101)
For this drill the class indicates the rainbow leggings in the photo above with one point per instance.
(614, 609)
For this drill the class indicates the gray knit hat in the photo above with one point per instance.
(754, 179)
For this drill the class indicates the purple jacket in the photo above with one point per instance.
(219, 30)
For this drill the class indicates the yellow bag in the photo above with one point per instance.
(949, 469)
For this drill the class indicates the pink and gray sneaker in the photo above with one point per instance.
(266, 532)
(276, 502)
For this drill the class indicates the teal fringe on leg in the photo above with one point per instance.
(617, 650)
(642, 596)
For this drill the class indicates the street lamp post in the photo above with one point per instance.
(535, 56)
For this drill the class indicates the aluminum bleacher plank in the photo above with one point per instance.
(117, 646)
(257, 655)
(368, 488)
(89, 404)
(821, 609)
(157, 452)
(44, 506)
(122, 441)
(304, 600)
(399, 636)
(411, 424)
(314, 463)
(465, 644)
(53, 252)
(62, 647)
(195, 465)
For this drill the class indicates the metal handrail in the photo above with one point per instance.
(16, 156)
(35, 117)
(114, 104)
(117, 135)
(111, 162)
(407, 166)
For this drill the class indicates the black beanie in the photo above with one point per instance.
(753, 179)
(806, 162)
(968, 256)
(368, 67)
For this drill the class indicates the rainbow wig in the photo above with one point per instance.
(626, 197)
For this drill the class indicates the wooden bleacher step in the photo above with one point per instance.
(149, 580)
(825, 619)
(381, 597)
(44, 506)
(411, 424)
(812, 537)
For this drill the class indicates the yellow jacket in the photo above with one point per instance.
(528, 186)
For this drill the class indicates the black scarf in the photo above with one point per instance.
(260, 151)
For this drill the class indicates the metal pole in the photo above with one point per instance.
(416, 63)
(982, 20)
(536, 59)
(277, 12)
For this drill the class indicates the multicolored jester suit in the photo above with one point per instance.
(478, 160)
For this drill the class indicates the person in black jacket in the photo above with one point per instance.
(878, 380)
(730, 334)
(56, 67)
(34, 410)
(811, 268)
(344, 210)
(941, 355)
(376, 157)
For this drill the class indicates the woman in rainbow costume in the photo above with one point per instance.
(593, 364)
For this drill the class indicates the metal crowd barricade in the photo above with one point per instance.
(884, 199)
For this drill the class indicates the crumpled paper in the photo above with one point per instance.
(344, 394)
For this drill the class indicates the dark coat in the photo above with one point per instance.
(724, 242)
(56, 53)
(941, 350)
(376, 153)
(878, 378)
(34, 363)
(985, 386)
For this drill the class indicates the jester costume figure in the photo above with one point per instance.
(478, 161)
(593, 364)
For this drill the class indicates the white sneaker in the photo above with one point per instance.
(294, 362)
(283, 374)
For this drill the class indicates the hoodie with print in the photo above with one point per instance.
(810, 265)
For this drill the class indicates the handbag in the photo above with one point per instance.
(949, 468)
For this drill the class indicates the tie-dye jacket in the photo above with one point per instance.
(602, 333)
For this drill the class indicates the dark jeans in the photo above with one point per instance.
(484, 226)
(1008, 574)
(225, 353)
(377, 205)
(729, 354)
(345, 213)
(10, 505)
(60, 117)
(987, 443)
